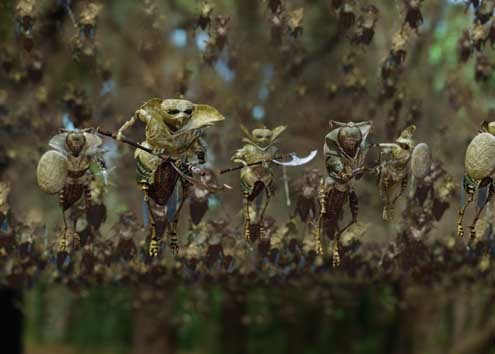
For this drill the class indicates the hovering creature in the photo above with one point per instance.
(84, 42)
(199, 197)
(204, 18)
(465, 46)
(217, 40)
(393, 169)
(345, 152)
(295, 22)
(479, 175)
(484, 11)
(484, 68)
(366, 25)
(67, 170)
(260, 148)
(346, 12)
(25, 18)
(306, 193)
(173, 136)
(414, 17)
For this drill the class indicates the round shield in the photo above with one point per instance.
(52, 172)
(480, 156)
(421, 161)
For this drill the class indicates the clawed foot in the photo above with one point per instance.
(388, 213)
(154, 248)
(460, 231)
(174, 247)
(63, 245)
(472, 234)
(335, 256)
(247, 233)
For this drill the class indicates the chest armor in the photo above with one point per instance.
(77, 166)
(158, 136)
(255, 154)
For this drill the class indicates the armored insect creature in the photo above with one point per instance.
(479, 175)
(393, 169)
(345, 152)
(173, 136)
(306, 191)
(260, 147)
(68, 169)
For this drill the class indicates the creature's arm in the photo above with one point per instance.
(98, 168)
(140, 114)
(199, 149)
(240, 157)
(336, 170)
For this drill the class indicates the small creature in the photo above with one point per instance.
(204, 18)
(260, 147)
(68, 170)
(393, 169)
(295, 22)
(414, 17)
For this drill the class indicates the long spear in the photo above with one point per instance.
(171, 161)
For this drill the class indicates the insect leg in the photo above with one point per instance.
(470, 190)
(268, 191)
(173, 241)
(247, 222)
(479, 210)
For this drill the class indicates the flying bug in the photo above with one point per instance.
(414, 17)
(484, 11)
(465, 47)
(204, 17)
(366, 25)
(345, 151)
(347, 17)
(394, 167)
(479, 175)
(25, 18)
(295, 22)
(200, 197)
(173, 136)
(67, 170)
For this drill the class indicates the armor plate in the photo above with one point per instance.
(52, 172)
(421, 161)
(480, 156)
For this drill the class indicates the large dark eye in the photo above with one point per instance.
(173, 111)
(188, 111)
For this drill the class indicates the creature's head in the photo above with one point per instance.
(406, 139)
(75, 141)
(350, 138)
(262, 136)
(488, 127)
(176, 112)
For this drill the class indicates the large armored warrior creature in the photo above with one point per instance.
(345, 152)
(479, 175)
(173, 140)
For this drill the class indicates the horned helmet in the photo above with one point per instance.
(263, 137)
(176, 112)
(488, 127)
(406, 139)
(75, 142)
(349, 138)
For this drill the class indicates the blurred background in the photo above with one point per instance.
(77, 64)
